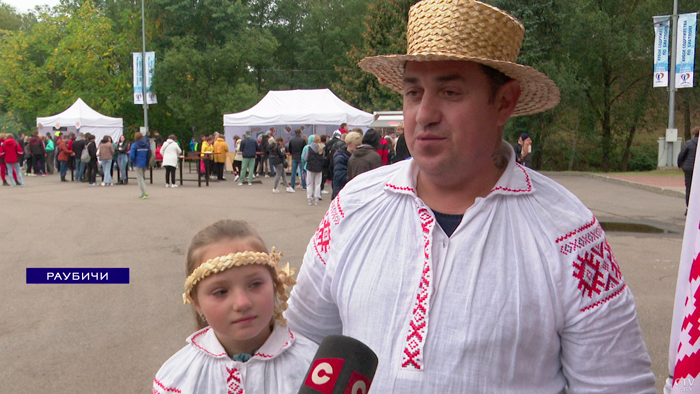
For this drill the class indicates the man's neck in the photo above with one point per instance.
(455, 197)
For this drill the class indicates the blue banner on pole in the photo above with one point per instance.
(661, 44)
(138, 78)
(685, 50)
(78, 275)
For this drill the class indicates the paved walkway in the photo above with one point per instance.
(668, 185)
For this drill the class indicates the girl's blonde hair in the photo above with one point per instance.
(224, 230)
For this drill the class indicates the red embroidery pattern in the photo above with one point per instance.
(235, 385)
(165, 389)
(585, 226)
(322, 237)
(194, 342)
(263, 355)
(401, 188)
(597, 271)
(418, 327)
(527, 180)
(606, 299)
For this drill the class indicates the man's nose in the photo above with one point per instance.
(428, 110)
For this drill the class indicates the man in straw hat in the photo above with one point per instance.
(495, 278)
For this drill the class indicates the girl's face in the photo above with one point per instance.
(238, 303)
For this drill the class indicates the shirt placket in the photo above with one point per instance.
(234, 378)
(417, 330)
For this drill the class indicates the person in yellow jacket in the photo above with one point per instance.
(220, 151)
(207, 151)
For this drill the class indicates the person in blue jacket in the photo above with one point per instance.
(138, 155)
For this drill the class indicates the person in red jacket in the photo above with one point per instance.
(11, 151)
(64, 154)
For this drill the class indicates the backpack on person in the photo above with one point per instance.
(85, 155)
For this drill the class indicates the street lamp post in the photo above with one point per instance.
(143, 65)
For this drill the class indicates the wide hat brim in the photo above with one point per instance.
(539, 93)
(466, 30)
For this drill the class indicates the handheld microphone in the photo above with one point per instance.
(342, 365)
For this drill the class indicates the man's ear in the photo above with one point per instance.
(506, 100)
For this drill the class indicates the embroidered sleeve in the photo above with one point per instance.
(312, 311)
(602, 346)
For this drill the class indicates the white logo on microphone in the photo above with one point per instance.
(359, 388)
(317, 378)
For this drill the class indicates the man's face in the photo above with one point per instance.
(451, 128)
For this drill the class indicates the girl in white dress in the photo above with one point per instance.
(242, 345)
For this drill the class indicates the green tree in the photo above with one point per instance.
(385, 33)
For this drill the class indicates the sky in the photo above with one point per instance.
(23, 6)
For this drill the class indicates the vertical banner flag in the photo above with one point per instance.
(661, 28)
(684, 349)
(685, 50)
(138, 78)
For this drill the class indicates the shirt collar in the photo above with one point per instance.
(280, 340)
(515, 179)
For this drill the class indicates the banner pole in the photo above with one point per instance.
(143, 65)
(672, 69)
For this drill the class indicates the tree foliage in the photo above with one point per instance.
(221, 56)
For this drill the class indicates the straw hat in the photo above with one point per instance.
(467, 30)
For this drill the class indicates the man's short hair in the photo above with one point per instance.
(496, 80)
(297, 131)
(695, 131)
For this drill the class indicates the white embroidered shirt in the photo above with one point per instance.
(203, 366)
(524, 297)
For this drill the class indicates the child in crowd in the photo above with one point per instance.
(242, 344)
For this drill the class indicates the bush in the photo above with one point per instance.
(642, 158)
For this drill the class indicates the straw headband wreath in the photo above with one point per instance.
(283, 279)
(467, 30)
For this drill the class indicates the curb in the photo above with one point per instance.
(655, 189)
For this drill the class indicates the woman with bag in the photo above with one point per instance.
(278, 158)
(171, 153)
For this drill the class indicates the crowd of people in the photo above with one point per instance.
(318, 162)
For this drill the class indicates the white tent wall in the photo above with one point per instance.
(98, 132)
(79, 117)
(318, 111)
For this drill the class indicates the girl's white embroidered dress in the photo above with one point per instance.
(203, 367)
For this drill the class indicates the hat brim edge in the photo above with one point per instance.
(539, 93)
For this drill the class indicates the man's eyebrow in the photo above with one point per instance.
(448, 78)
(441, 78)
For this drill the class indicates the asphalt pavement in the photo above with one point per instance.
(112, 338)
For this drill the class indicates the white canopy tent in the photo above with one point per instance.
(80, 117)
(316, 111)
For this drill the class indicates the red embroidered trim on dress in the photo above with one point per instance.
(401, 188)
(527, 180)
(203, 349)
(166, 389)
(322, 237)
(291, 335)
(418, 327)
(235, 385)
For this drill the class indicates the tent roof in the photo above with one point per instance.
(315, 106)
(78, 115)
